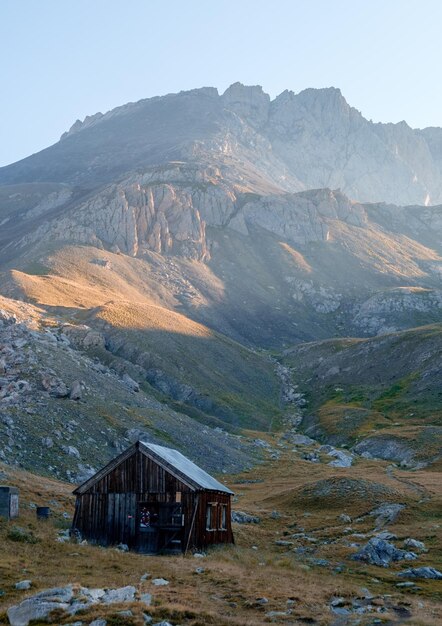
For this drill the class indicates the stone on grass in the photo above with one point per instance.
(239, 517)
(160, 582)
(386, 513)
(123, 594)
(414, 544)
(381, 553)
(23, 584)
(98, 622)
(40, 606)
(342, 459)
(421, 572)
(94, 595)
(146, 598)
(385, 534)
(302, 440)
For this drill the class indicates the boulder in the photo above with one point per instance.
(146, 598)
(23, 585)
(386, 513)
(54, 386)
(40, 606)
(342, 459)
(123, 547)
(160, 582)
(414, 544)
(130, 383)
(421, 572)
(76, 391)
(239, 517)
(122, 594)
(302, 440)
(381, 553)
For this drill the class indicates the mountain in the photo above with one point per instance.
(174, 248)
(381, 396)
(313, 139)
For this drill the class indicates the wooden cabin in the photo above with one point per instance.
(154, 500)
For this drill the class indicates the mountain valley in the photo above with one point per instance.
(258, 283)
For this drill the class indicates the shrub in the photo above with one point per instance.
(16, 533)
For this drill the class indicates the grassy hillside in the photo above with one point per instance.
(301, 576)
(381, 394)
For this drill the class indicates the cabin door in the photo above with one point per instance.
(148, 531)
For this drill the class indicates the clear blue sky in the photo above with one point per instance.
(63, 59)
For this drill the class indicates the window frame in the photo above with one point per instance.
(212, 517)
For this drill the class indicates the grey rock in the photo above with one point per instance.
(146, 598)
(76, 391)
(23, 584)
(71, 451)
(302, 440)
(127, 613)
(385, 534)
(414, 544)
(342, 459)
(160, 582)
(123, 594)
(199, 570)
(54, 386)
(344, 518)
(239, 517)
(313, 457)
(130, 383)
(93, 595)
(38, 607)
(421, 572)
(123, 547)
(98, 622)
(382, 553)
(386, 513)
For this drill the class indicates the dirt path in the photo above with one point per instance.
(416, 487)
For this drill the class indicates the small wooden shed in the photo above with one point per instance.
(154, 500)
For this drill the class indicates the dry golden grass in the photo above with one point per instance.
(236, 576)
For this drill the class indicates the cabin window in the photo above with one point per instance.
(211, 517)
(223, 517)
(178, 496)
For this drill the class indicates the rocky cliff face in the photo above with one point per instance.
(297, 141)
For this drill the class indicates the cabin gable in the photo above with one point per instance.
(143, 500)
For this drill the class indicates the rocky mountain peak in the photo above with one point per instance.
(78, 125)
(249, 101)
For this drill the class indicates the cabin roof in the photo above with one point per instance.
(187, 467)
(171, 460)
